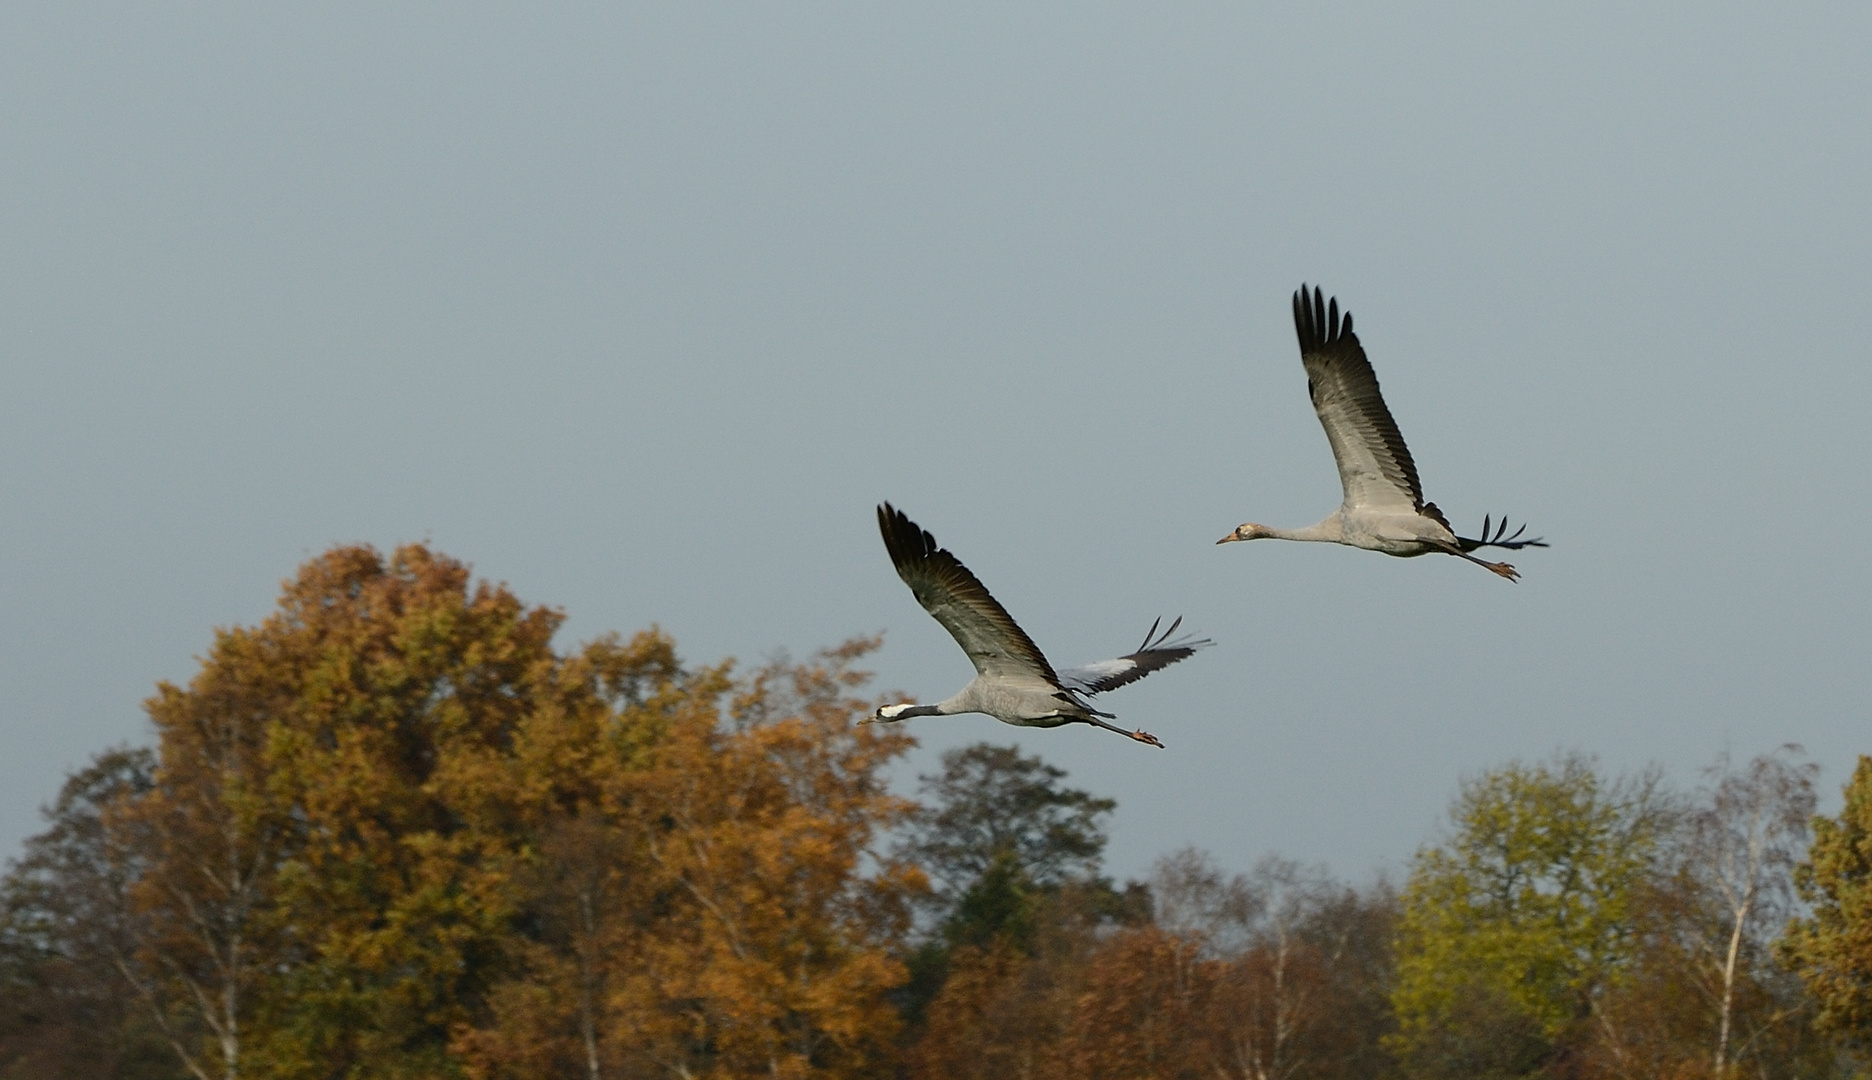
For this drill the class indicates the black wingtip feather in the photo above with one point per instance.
(1154, 640)
(1500, 536)
(903, 539)
(1318, 321)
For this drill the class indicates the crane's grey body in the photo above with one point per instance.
(1403, 535)
(1013, 681)
(1023, 701)
(1384, 508)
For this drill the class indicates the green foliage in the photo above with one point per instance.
(992, 804)
(1513, 925)
(1000, 903)
(999, 833)
(1832, 947)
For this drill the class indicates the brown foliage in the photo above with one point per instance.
(1147, 1012)
(707, 916)
(1005, 1008)
(1154, 1005)
(987, 1022)
(1298, 992)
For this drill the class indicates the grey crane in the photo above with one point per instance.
(1013, 681)
(1384, 508)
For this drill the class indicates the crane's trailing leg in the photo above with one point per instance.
(1501, 568)
(1140, 734)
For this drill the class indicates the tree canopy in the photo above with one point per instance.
(393, 830)
(1513, 925)
(390, 831)
(1832, 946)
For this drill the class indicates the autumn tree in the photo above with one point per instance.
(574, 884)
(324, 891)
(1831, 947)
(1745, 842)
(309, 879)
(1146, 1002)
(1289, 1003)
(776, 955)
(1352, 929)
(211, 842)
(1512, 928)
(700, 895)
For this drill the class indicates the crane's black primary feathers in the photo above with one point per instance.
(958, 600)
(1375, 467)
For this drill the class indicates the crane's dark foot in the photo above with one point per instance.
(1146, 737)
(1504, 570)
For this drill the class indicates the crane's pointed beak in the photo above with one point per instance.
(1226, 539)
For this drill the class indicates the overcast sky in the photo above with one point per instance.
(641, 310)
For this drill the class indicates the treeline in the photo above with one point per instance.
(390, 832)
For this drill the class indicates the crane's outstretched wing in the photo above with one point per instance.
(958, 600)
(1158, 651)
(1375, 467)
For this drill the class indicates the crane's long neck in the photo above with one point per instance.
(1330, 531)
(968, 700)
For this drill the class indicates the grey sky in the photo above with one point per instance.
(642, 310)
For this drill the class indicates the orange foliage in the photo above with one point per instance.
(728, 928)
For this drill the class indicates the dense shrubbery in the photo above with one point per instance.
(390, 832)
